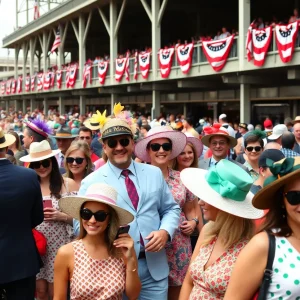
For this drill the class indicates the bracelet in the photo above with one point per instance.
(66, 218)
(131, 270)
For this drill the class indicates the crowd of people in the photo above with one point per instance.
(122, 206)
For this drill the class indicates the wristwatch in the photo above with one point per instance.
(196, 220)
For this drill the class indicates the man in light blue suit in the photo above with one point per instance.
(157, 213)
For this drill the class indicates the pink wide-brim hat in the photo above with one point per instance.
(177, 138)
(195, 142)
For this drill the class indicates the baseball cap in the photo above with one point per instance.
(222, 116)
(278, 130)
(273, 154)
(201, 121)
(268, 124)
(250, 127)
(243, 125)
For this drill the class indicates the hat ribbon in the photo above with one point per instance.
(101, 197)
(286, 167)
(224, 187)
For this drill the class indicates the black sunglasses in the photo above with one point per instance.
(79, 160)
(37, 164)
(112, 143)
(155, 146)
(293, 197)
(99, 215)
(256, 148)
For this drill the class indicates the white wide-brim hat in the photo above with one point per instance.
(195, 142)
(98, 192)
(39, 151)
(6, 139)
(91, 125)
(195, 180)
(177, 138)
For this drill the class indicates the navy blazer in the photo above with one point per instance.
(21, 209)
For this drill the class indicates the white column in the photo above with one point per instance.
(155, 104)
(245, 104)
(32, 104)
(244, 22)
(184, 110)
(113, 39)
(45, 104)
(24, 106)
(6, 105)
(82, 105)
(45, 51)
(113, 100)
(81, 44)
(60, 105)
(156, 36)
(16, 62)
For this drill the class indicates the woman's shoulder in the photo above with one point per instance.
(66, 251)
(70, 185)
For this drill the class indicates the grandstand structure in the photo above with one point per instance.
(108, 28)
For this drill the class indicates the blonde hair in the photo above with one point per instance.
(84, 147)
(229, 228)
(110, 232)
(194, 163)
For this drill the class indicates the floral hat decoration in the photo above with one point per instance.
(120, 123)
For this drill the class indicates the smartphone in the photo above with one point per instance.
(121, 230)
(47, 203)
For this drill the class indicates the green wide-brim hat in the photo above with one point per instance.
(284, 171)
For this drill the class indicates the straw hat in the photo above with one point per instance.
(39, 151)
(284, 171)
(177, 138)
(6, 139)
(64, 132)
(98, 192)
(91, 125)
(115, 127)
(195, 142)
(222, 131)
(225, 186)
(297, 120)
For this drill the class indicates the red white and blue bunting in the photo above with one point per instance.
(3, 87)
(217, 52)
(40, 81)
(184, 55)
(48, 80)
(8, 87)
(165, 59)
(32, 81)
(122, 66)
(27, 84)
(102, 71)
(87, 75)
(71, 76)
(13, 86)
(59, 78)
(19, 84)
(144, 63)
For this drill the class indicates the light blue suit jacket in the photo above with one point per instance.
(156, 210)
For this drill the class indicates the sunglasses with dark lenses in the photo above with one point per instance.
(112, 143)
(78, 160)
(166, 146)
(99, 215)
(293, 197)
(37, 164)
(256, 148)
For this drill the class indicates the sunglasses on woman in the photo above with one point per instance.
(37, 164)
(112, 143)
(78, 160)
(256, 148)
(155, 147)
(293, 197)
(99, 215)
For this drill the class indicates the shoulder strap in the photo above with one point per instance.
(271, 252)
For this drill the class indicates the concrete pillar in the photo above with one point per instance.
(24, 105)
(45, 104)
(82, 105)
(7, 105)
(60, 105)
(17, 62)
(156, 36)
(113, 100)
(32, 104)
(185, 110)
(113, 39)
(155, 104)
(244, 22)
(81, 44)
(215, 111)
(294, 108)
(245, 104)
(45, 50)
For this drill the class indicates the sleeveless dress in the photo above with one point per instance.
(179, 250)
(285, 282)
(95, 279)
(57, 235)
(211, 284)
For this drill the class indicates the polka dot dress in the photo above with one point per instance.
(285, 284)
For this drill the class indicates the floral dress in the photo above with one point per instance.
(179, 251)
(211, 284)
(57, 235)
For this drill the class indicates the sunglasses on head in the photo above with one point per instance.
(99, 215)
(112, 143)
(293, 197)
(155, 146)
(78, 160)
(256, 148)
(37, 164)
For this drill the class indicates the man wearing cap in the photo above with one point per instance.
(297, 133)
(143, 191)
(268, 125)
(21, 209)
(224, 123)
(277, 132)
(219, 143)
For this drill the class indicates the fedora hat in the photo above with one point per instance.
(225, 186)
(39, 151)
(195, 142)
(297, 120)
(215, 131)
(64, 132)
(93, 125)
(177, 138)
(97, 192)
(6, 139)
(283, 171)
